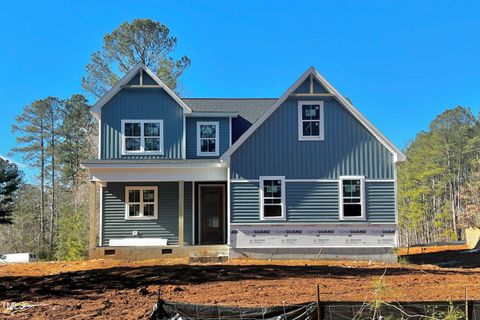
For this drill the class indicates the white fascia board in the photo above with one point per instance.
(206, 114)
(265, 116)
(397, 153)
(152, 165)
(97, 107)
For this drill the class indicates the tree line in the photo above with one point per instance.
(49, 216)
(438, 184)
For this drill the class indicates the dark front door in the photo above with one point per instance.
(212, 214)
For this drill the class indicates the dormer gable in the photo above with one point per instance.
(138, 77)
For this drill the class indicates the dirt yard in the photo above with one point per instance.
(107, 289)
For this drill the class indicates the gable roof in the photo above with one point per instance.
(97, 107)
(251, 109)
(397, 153)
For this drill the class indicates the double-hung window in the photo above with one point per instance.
(352, 197)
(141, 203)
(272, 198)
(142, 137)
(310, 120)
(207, 138)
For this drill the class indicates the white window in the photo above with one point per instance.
(142, 137)
(141, 203)
(272, 198)
(207, 138)
(352, 197)
(310, 120)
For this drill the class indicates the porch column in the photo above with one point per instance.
(181, 213)
(93, 238)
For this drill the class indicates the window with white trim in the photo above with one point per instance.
(207, 138)
(141, 203)
(352, 198)
(272, 198)
(310, 120)
(142, 137)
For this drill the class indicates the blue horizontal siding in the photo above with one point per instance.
(312, 202)
(380, 201)
(141, 103)
(244, 202)
(191, 136)
(187, 220)
(348, 149)
(115, 225)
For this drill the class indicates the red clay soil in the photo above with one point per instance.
(431, 249)
(108, 289)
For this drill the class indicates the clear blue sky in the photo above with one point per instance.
(401, 62)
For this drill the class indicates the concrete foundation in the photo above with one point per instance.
(359, 254)
(158, 252)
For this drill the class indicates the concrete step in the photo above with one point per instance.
(208, 259)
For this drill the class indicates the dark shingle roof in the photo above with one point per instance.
(249, 108)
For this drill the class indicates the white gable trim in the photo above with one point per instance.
(97, 107)
(397, 153)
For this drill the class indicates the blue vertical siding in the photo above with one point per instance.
(191, 135)
(312, 202)
(141, 103)
(115, 225)
(348, 149)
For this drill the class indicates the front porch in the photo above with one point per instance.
(158, 210)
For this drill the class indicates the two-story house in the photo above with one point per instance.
(302, 176)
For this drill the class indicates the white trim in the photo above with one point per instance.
(99, 138)
(230, 133)
(142, 137)
(243, 180)
(193, 213)
(321, 133)
(155, 203)
(153, 165)
(228, 205)
(100, 218)
(362, 198)
(282, 201)
(395, 190)
(397, 153)
(217, 138)
(200, 209)
(311, 180)
(184, 138)
(123, 81)
(285, 223)
(205, 114)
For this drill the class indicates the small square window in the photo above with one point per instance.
(140, 202)
(310, 120)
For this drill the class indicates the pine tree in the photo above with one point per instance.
(10, 178)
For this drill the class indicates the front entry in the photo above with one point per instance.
(212, 213)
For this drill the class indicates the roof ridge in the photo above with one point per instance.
(230, 98)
